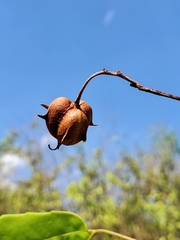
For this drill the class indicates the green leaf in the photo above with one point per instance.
(40, 226)
(80, 235)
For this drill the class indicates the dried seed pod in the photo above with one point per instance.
(67, 121)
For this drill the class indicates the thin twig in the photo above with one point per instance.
(133, 83)
(93, 232)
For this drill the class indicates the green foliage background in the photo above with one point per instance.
(137, 195)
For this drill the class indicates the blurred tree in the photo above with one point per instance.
(38, 192)
(138, 196)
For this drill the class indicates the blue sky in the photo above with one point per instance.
(49, 48)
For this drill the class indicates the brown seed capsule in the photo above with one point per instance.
(67, 121)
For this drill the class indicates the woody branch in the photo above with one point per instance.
(133, 83)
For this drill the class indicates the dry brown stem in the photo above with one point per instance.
(133, 83)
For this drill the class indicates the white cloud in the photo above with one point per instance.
(109, 16)
(10, 162)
